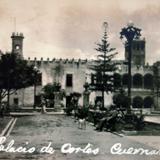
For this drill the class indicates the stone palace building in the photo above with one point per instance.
(73, 73)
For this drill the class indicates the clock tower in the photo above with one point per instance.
(17, 44)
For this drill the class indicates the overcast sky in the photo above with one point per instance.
(70, 28)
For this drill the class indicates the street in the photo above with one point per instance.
(38, 131)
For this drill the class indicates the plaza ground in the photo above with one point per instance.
(39, 130)
(3, 122)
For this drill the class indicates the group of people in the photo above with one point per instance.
(102, 118)
(106, 119)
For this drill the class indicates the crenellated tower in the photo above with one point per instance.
(17, 44)
(138, 52)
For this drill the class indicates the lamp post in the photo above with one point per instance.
(129, 33)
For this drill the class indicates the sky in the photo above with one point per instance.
(71, 28)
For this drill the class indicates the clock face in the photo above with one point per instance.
(17, 47)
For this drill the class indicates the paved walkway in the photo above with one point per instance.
(152, 141)
(35, 113)
(153, 119)
(3, 122)
(39, 130)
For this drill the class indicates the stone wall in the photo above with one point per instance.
(81, 73)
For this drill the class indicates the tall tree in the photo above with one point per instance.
(103, 68)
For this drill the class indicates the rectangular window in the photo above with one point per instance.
(92, 78)
(69, 80)
(15, 101)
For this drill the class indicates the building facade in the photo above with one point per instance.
(72, 75)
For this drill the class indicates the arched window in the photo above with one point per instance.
(117, 80)
(148, 102)
(125, 79)
(148, 81)
(137, 80)
(137, 102)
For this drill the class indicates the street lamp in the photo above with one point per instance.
(129, 33)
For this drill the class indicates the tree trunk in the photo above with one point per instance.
(103, 99)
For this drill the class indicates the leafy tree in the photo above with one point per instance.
(102, 78)
(49, 92)
(15, 74)
(121, 99)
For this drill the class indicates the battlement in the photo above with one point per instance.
(60, 60)
(16, 34)
(79, 61)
